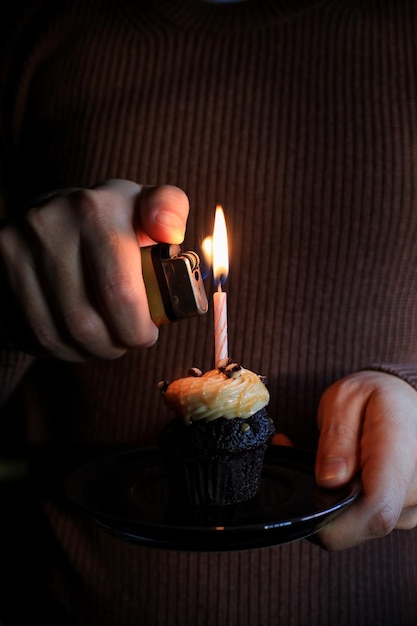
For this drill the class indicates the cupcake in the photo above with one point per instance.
(214, 448)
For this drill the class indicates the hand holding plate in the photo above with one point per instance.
(368, 424)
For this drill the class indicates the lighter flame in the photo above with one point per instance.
(220, 248)
(207, 249)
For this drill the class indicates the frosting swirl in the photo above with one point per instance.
(215, 394)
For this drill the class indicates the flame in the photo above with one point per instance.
(207, 249)
(220, 248)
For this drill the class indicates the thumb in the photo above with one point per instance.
(163, 213)
(338, 453)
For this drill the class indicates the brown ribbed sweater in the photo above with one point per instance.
(300, 118)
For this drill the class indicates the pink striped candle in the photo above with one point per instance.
(220, 325)
(220, 254)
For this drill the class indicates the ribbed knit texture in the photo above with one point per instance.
(300, 119)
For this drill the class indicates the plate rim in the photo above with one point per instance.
(215, 538)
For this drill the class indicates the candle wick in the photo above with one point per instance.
(219, 281)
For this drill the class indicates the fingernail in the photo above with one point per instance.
(332, 467)
(173, 223)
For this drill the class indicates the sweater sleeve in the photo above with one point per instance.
(405, 371)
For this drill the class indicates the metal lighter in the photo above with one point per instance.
(173, 282)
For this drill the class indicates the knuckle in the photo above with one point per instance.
(121, 291)
(340, 431)
(100, 211)
(89, 203)
(92, 204)
(34, 219)
(48, 340)
(345, 388)
(87, 332)
(383, 521)
(83, 326)
(37, 223)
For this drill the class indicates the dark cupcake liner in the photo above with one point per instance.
(215, 481)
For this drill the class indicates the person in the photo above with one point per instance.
(125, 123)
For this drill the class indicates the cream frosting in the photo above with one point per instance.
(216, 394)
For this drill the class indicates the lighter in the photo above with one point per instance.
(173, 282)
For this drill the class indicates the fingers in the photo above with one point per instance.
(160, 212)
(339, 417)
(110, 251)
(383, 439)
(375, 514)
(150, 214)
(372, 516)
(54, 312)
(281, 440)
(27, 323)
(163, 214)
(74, 267)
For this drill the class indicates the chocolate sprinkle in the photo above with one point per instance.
(233, 370)
(194, 371)
(163, 385)
(224, 363)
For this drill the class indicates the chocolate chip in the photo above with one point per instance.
(194, 371)
(233, 370)
(223, 363)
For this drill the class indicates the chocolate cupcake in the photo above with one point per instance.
(214, 449)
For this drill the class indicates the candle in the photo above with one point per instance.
(220, 325)
(220, 255)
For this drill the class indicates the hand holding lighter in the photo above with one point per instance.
(173, 282)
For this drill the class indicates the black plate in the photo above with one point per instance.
(127, 494)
